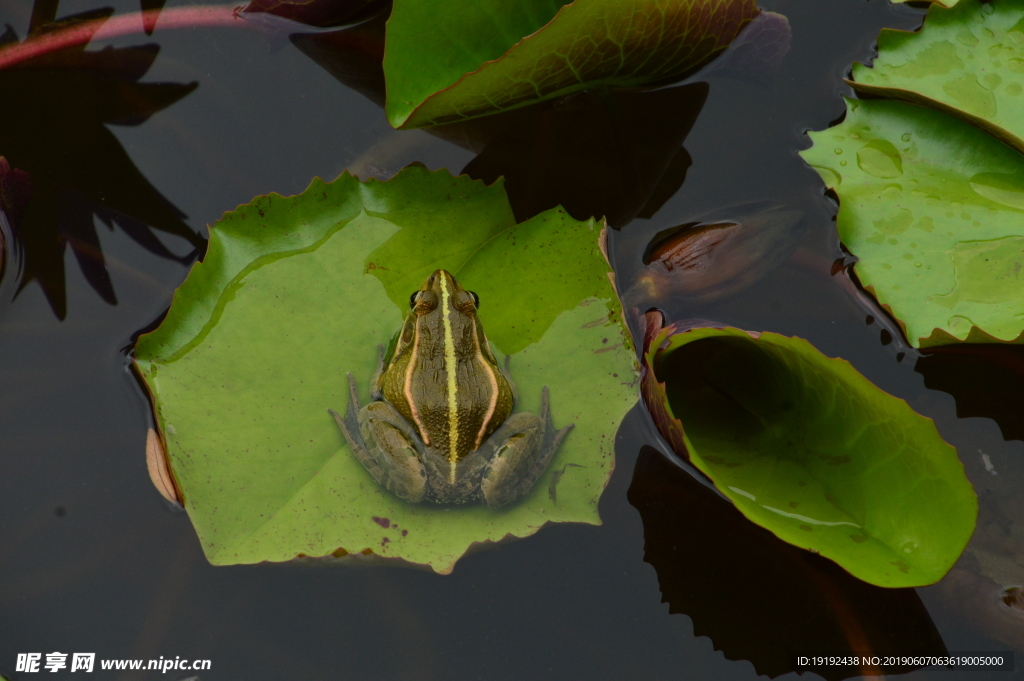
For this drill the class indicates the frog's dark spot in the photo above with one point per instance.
(405, 532)
(383, 522)
(60, 511)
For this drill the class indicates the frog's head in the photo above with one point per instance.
(442, 290)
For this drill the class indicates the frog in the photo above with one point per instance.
(440, 426)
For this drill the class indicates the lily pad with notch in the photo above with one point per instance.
(296, 292)
(809, 449)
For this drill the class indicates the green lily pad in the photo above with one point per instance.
(967, 61)
(809, 449)
(446, 61)
(296, 292)
(932, 207)
(931, 202)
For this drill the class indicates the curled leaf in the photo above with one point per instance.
(808, 448)
(159, 472)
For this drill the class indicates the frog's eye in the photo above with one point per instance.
(412, 298)
(476, 299)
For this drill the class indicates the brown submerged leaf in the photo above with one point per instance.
(712, 258)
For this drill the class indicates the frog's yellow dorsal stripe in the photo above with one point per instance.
(451, 368)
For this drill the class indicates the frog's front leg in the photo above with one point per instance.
(519, 452)
(385, 444)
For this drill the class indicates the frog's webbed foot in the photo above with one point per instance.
(378, 437)
(525, 445)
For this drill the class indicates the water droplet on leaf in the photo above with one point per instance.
(1003, 188)
(881, 159)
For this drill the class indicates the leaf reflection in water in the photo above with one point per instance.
(755, 596)
(53, 127)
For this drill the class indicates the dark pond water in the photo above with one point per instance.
(93, 560)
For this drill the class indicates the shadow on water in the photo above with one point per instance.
(985, 380)
(757, 597)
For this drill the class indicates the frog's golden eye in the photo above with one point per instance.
(476, 299)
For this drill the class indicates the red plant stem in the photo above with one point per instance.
(122, 24)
